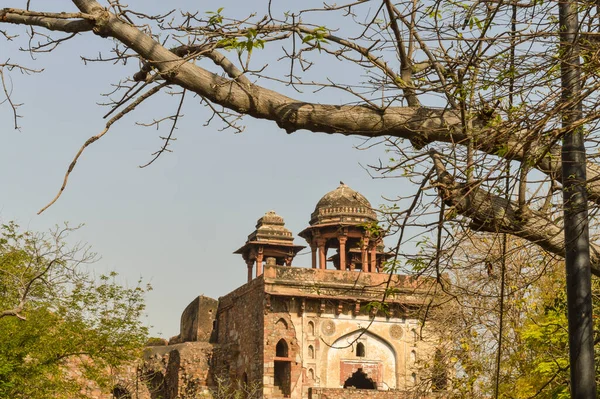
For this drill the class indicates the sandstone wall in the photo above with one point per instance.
(240, 324)
(197, 320)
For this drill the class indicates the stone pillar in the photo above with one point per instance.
(364, 258)
(342, 241)
(322, 254)
(374, 258)
(250, 265)
(259, 260)
(313, 249)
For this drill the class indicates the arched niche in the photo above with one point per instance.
(360, 350)
(378, 364)
(281, 349)
(311, 328)
(281, 323)
(311, 352)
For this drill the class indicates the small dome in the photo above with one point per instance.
(271, 228)
(343, 205)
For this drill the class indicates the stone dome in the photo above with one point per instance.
(343, 205)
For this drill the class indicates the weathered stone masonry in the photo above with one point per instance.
(303, 333)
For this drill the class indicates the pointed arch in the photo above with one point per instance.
(379, 363)
(281, 323)
(360, 349)
(348, 338)
(282, 348)
(311, 328)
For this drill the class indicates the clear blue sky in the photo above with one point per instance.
(177, 222)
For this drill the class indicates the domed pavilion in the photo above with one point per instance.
(270, 242)
(344, 220)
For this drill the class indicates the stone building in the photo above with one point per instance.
(330, 331)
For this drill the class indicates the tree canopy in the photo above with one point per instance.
(61, 326)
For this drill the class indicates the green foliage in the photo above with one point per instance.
(373, 229)
(535, 354)
(543, 363)
(58, 320)
(317, 37)
(252, 41)
(215, 17)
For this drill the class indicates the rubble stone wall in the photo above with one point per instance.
(240, 324)
(282, 375)
(197, 320)
(178, 371)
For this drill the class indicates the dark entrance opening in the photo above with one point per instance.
(359, 380)
(283, 377)
(281, 350)
(120, 393)
(360, 349)
(283, 370)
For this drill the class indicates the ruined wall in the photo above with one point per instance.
(197, 320)
(283, 374)
(122, 381)
(240, 325)
(178, 371)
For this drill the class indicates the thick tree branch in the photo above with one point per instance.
(57, 22)
(420, 125)
(495, 214)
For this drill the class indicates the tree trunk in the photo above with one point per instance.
(577, 244)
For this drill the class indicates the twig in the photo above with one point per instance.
(92, 139)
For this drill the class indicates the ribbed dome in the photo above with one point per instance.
(343, 205)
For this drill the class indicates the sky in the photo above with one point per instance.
(176, 223)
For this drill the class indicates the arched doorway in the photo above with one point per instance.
(360, 380)
(360, 350)
(282, 369)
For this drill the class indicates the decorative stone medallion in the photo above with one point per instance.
(328, 327)
(396, 331)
